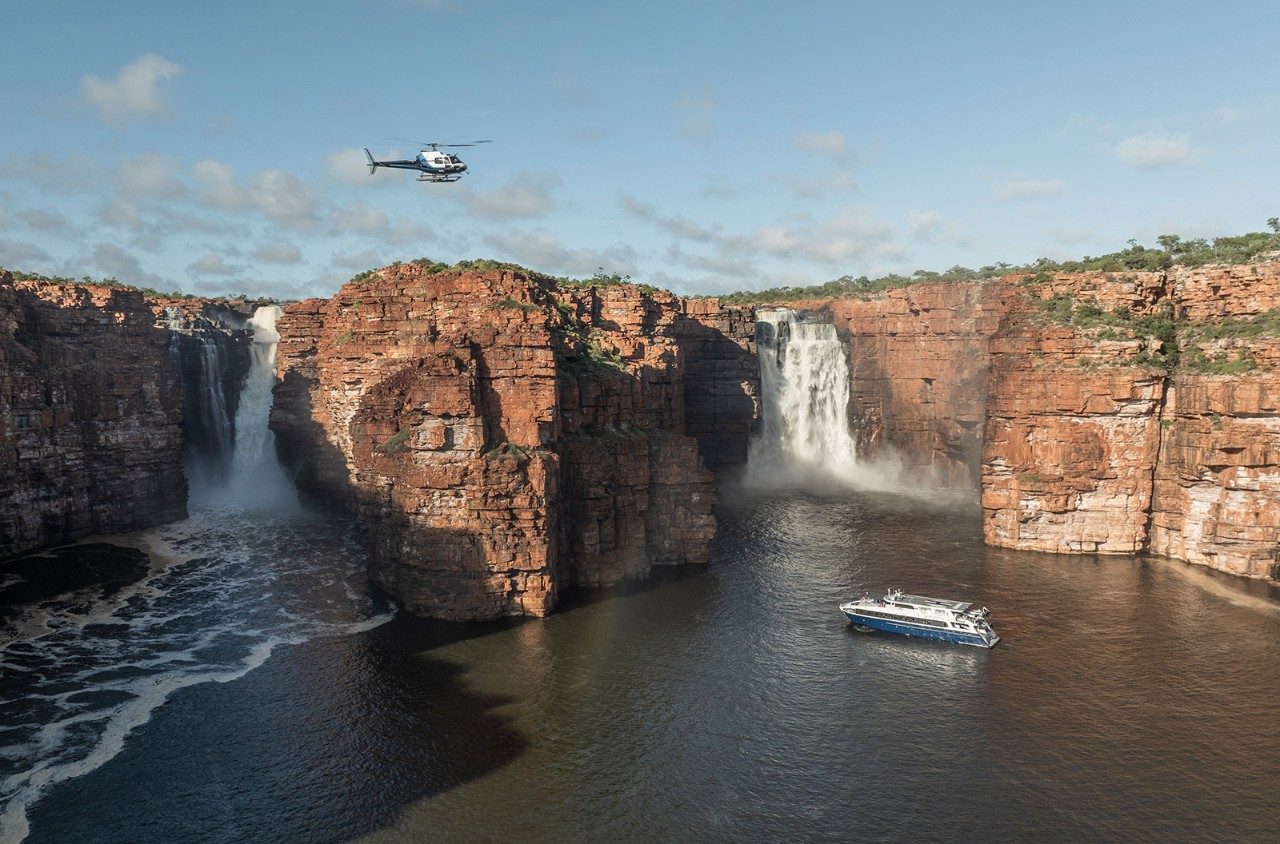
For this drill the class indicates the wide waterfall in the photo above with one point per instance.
(257, 479)
(804, 437)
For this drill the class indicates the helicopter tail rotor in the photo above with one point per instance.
(373, 165)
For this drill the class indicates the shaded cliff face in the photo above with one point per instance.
(90, 415)
(209, 343)
(499, 436)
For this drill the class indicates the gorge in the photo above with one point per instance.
(500, 435)
(485, 440)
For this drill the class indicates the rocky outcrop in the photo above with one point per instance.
(499, 435)
(90, 415)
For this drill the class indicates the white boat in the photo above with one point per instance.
(928, 618)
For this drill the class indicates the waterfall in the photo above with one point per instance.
(804, 438)
(203, 361)
(257, 479)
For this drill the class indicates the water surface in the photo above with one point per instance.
(1127, 699)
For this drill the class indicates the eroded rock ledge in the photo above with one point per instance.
(502, 437)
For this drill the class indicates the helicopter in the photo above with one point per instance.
(432, 164)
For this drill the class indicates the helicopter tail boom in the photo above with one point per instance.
(373, 165)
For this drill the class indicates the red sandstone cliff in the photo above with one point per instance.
(501, 436)
(1153, 427)
(90, 415)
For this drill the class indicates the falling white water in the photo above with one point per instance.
(257, 479)
(804, 438)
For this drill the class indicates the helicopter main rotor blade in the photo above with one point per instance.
(471, 144)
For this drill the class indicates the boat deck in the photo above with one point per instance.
(941, 603)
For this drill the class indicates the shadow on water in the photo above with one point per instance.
(328, 740)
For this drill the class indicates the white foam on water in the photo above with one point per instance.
(238, 586)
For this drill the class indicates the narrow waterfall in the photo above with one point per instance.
(257, 479)
(804, 437)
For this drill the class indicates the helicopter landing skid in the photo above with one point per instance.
(438, 178)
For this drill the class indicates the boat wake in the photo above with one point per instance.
(224, 589)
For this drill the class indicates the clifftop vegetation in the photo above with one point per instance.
(149, 292)
(1172, 251)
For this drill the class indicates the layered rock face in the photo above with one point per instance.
(90, 415)
(1217, 483)
(500, 437)
(1073, 427)
(1138, 411)
(918, 373)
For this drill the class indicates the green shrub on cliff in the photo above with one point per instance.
(396, 443)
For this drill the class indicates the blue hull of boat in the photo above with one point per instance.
(921, 632)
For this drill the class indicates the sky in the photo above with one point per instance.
(699, 146)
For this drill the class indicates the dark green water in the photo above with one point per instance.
(1127, 700)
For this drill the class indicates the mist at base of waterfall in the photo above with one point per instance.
(255, 480)
(805, 441)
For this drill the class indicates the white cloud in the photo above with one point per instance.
(134, 92)
(349, 166)
(213, 264)
(150, 174)
(20, 255)
(357, 219)
(277, 194)
(1153, 151)
(925, 225)
(821, 187)
(830, 144)
(541, 250)
(681, 227)
(45, 221)
(696, 112)
(278, 253)
(525, 195)
(1030, 189)
(116, 262)
(368, 259)
(850, 235)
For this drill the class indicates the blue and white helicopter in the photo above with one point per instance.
(432, 164)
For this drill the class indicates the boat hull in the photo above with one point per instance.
(957, 637)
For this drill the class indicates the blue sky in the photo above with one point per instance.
(702, 146)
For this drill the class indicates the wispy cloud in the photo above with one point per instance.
(117, 262)
(681, 227)
(829, 144)
(1150, 152)
(696, 112)
(545, 251)
(524, 195)
(136, 90)
(150, 174)
(1030, 189)
(277, 253)
(278, 195)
